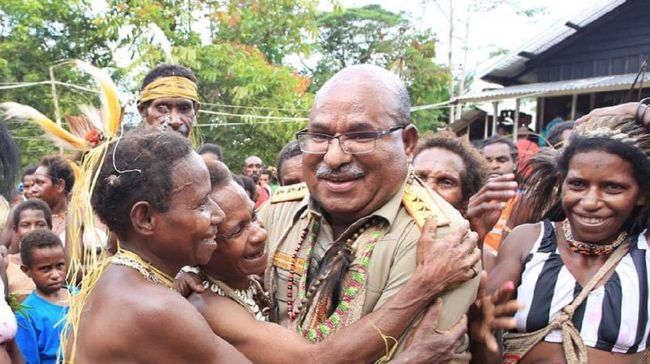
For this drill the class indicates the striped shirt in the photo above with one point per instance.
(614, 317)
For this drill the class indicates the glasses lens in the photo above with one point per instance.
(313, 143)
(358, 143)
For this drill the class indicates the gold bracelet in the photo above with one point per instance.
(389, 351)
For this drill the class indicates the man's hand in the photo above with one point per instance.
(485, 207)
(187, 282)
(493, 312)
(445, 263)
(429, 345)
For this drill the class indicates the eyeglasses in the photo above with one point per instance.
(351, 143)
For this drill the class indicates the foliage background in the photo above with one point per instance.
(254, 59)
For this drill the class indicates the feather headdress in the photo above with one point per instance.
(621, 128)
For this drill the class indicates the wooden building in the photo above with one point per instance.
(590, 61)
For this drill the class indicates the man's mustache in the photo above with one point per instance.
(346, 171)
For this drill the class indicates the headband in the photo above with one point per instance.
(172, 86)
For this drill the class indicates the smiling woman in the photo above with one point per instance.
(153, 192)
(588, 257)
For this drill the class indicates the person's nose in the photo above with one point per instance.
(176, 120)
(259, 235)
(591, 200)
(55, 274)
(335, 156)
(217, 216)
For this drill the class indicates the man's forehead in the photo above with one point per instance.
(252, 160)
(171, 101)
(497, 148)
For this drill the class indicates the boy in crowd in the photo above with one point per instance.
(40, 325)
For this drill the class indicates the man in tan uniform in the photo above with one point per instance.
(344, 242)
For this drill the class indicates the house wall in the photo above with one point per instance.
(615, 44)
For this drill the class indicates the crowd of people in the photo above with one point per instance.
(363, 242)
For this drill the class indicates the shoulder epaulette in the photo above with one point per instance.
(290, 193)
(420, 205)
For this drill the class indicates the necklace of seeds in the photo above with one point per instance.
(314, 286)
(244, 297)
(149, 272)
(351, 288)
(590, 248)
(310, 233)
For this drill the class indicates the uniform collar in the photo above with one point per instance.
(388, 211)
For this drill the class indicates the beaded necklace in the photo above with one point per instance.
(149, 272)
(310, 233)
(590, 248)
(247, 298)
(313, 326)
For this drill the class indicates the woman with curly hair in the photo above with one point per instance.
(582, 270)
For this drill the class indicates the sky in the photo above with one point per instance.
(501, 28)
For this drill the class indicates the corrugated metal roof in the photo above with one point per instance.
(513, 64)
(558, 88)
(467, 118)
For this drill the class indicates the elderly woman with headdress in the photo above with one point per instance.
(582, 271)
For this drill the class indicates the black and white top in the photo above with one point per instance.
(614, 317)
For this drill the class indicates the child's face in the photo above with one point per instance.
(48, 268)
(28, 221)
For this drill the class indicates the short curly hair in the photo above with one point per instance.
(135, 168)
(475, 173)
(58, 168)
(37, 239)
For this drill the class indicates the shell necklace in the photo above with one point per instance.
(244, 297)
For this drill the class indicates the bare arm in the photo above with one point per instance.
(493, 311)
(511, 255)
(362, 341)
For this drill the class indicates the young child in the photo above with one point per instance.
(40, 326)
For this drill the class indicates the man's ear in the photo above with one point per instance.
(142, 110)
(410, 139)
(25, 270)
(142, 218)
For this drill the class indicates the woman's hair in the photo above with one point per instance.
(475, 173)
(219, 173)
(58, 168)
(546, 171)
(136, 168)
(248, 185)
(9, 162)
